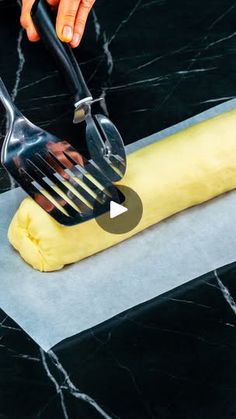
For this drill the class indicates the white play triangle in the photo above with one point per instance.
(116, 209)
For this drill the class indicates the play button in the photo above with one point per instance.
(123, 216)
(116, 209)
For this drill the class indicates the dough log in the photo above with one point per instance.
(183, 170)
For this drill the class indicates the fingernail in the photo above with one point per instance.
(67, 33)
(75, 40)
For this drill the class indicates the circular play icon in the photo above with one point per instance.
(124, 216)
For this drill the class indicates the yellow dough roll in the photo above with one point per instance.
(180, 171)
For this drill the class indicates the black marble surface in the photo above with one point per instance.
(155, 63)
(172, 357)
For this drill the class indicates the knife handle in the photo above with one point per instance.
(62, 52)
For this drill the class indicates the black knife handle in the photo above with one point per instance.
(62, 53)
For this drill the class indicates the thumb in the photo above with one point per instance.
(66, 16)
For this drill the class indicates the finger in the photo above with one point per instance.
(53, 3)
(66, 15)
(80, 22)
(26, 20)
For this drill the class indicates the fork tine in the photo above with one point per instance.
(86, 171)
(51, 160)
(89, 167)
(38, 175)
(51, 168)
(69, 158)
(27, 184)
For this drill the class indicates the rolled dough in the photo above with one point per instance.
(185, 169)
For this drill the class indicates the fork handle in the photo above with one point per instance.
(62, 53)
(5, 98)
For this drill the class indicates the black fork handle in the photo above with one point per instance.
(62, 52)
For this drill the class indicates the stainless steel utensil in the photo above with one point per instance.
(104, 142)
(66, 185)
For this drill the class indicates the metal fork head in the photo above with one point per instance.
(66, 185)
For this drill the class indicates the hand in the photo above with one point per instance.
(70, 23)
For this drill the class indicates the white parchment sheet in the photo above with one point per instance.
(53, 306)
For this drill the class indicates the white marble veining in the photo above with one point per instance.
(21, 64)
(67, 385)
(226, 293)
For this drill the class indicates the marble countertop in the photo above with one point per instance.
(172, 357)
(155, 63)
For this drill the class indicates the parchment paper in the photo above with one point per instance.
(51, 307)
